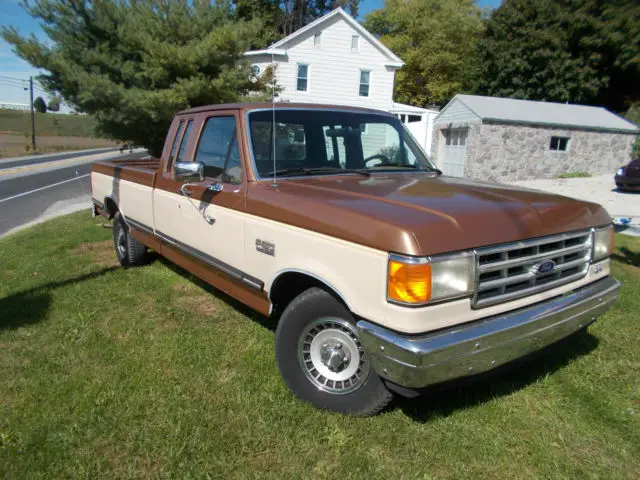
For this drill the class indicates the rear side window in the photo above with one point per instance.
(174, 147)
(218, 150)
(185, 141)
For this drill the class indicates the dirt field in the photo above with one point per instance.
(12, 145)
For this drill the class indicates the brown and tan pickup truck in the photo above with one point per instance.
(384, 275)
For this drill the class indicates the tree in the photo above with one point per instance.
(132, 65)
(633, 114)
(582, 51)
(40, 105)
(283, 17)
(437, 40)
(54, 104)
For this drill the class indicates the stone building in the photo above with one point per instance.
(503, 139)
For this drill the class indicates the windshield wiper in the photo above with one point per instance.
(414, 167)
(316, 171)
(383, 165)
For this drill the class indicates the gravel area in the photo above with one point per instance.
(601, 189)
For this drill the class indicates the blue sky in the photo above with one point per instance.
(14, 67)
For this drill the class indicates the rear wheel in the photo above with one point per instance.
(130, 252)
(320, 357)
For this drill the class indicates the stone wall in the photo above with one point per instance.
(500, 152)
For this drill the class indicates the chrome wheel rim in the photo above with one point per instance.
(332, 357)
(121, 242)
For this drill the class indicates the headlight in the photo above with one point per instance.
(602, 243)
(417, 281)
(621, 171)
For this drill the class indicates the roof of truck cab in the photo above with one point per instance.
(277, 105)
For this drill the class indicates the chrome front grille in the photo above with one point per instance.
(510, 271)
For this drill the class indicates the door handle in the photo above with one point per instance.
(184, 190)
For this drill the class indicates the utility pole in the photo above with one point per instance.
(33, 116)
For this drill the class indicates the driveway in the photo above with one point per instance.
(600, 189)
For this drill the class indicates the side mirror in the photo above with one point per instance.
(188, 171)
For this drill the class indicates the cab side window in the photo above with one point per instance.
(185, 141)
(174, 147)
(218, 150)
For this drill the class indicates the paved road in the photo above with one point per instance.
(36, 195)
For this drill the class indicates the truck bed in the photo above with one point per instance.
(138, 171)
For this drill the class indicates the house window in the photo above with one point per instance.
(456, 136)
(365, 77)
(414, 118)
(355, 43)
(303, 77)
(317, 39)
(559, 144)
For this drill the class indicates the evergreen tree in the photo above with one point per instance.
(133, 64)
(437, 40)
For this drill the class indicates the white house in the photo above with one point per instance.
(336, 60)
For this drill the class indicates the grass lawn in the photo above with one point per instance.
(61, 124)
(16, 145)
(54, 133)
(144, 372)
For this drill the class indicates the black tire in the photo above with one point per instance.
(315, 308)
(130, 252)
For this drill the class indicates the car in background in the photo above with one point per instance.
(628, 178)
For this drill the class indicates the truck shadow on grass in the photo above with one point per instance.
(443, 400)
(31, 306)
(266, 322)
(628, 257)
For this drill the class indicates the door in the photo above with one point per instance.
(206, 223)
(455, 151)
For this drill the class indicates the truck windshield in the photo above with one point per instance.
(326, 142)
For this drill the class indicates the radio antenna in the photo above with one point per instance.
(273, 116)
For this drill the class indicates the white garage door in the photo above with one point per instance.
(455, 151)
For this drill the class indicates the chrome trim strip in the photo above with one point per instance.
(138, 225)
(525, 276)
(531, 243)
(98, 203)
(212, 262)
(532, 258)
(482, 345)
(532, 290)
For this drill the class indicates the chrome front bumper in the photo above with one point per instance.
(482, 345)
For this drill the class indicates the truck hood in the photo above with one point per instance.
(421, 214)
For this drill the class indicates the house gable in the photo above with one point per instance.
(392, 60)
(456, 112)
(336, 73)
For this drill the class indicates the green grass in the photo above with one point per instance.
(47, 124)
(106, 372)
(574, 175)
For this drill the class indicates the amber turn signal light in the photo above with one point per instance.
(409, 282)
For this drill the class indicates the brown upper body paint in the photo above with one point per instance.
(414, 213)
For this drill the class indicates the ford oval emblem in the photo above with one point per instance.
(546, 267)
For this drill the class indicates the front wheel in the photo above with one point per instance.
(321, 360)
